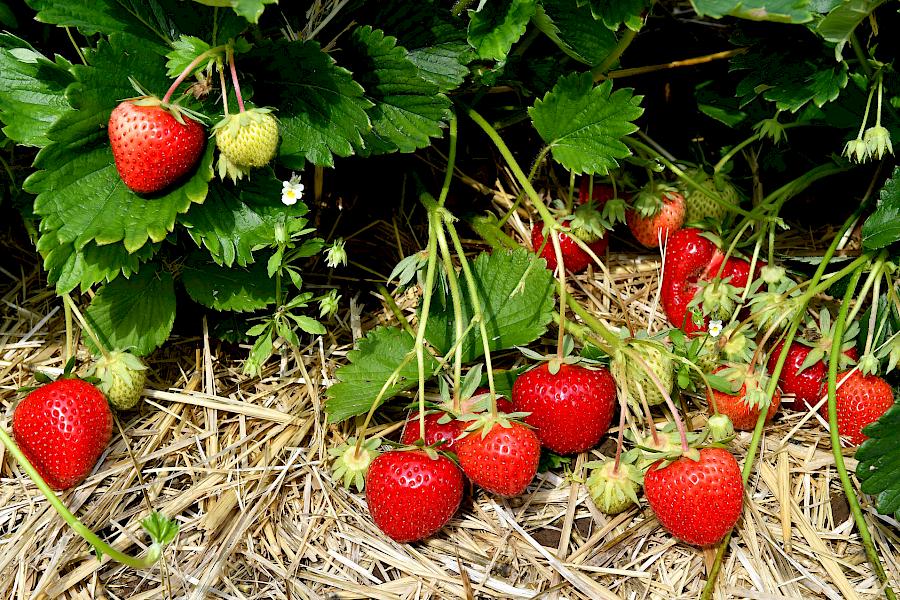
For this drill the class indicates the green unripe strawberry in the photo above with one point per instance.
(700, 205)
(632, 376)
(122, 377)
(246, 140)
(614, 490)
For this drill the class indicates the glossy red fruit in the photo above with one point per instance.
(807, 386)
(434, 431)
(63, 428)
(570, 410)
(601, 195)
(151, 148)
(649, 229)
(410, 495)
(697, 501)
(735, 406)
(575, 259)
(860, 401)
(504, 461)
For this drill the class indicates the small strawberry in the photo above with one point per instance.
(122, 377)
(501, 456)
(697, 499)
(246, 140)
(445, 432)
(699, 205)
(570, 408)
(154, 144)
(575, 259)
(412, 495)
(633, 378)
(657, 213)
(860, 401)
(62, 428)
(612, 489)
(744, 405)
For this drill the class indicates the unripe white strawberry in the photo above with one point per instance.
(699, 205)
(122, 377)
(614, 490)
(246, 140)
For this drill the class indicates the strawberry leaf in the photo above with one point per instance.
(369, 368)
(321, 109)
(584, 124)
(879, 462)
(497, 26)
(613, 13)
(134, 314)
(780, 11)
(186, 49)
(70, 269)
(32, 91)
(251, 10)
(516, 295)
(444, 65)
(573, 29)
(841, 21)
(407, 110)
(241, 289)
(882, 228)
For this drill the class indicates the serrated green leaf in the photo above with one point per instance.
(407, 111)
(251, 10)
(882, 228)
(240, 289)
(574, 30)
(722, 108)
(779, 11)
(613, 13)
(134, 314)
(368, 369)
(321, 109)
(185, 49)
(309, 325)
(879, 462)
(232, 223)
(69, 269)
(839, 24)
(497, 26)
(515, 312)
(32, 91)
(444, 65)
(584, 124)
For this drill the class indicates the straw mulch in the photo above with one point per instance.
(242, 464)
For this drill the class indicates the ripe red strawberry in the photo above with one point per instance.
(808, 385)
(860, 401)
(570, 410)
(697, 501)
(411, 495)
(658, 218)
(574, 258)
(504, 461)
(602, 192)
(62, 428)
(742, 411)
(434, 432)
(152, 149)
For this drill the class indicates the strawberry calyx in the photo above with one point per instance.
(351, 463)
(483, 423)
(752, 380)
(555, 361)
(588, 224)
(649, 201)
(720, 428)
(820, 337)
(612, 487)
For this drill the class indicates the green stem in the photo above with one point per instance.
(84, 325)
(451, 161)
(433, 229)
(864, 535)
(860, 56)
(398, 314)
(521, 195)
(874, 274)
(70, 345)
(459, 7)
(155, 550)
(455, 298)
(731, 153)
(616, 53)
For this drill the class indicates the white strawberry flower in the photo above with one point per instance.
(292, 190)
(715, 328)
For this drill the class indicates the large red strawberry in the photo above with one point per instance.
(412, 495)
(63, 428)
(742, 408)
(697, 501)
(504, 461)
(807, 385)
(570, 409)
(860, 401)
(153, 146)
(656, 214)
(574, 258)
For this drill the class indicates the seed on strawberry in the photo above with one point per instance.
(504, 460)
(570, 409)
(153, 145)
(860, 402)
(246, 140)
(62, 428)
(697, 499)
(412, 495)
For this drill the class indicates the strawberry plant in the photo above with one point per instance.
(163, 158)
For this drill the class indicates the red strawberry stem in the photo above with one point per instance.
(864, 535)
(188, 71)
(234, 78)
(154, 552)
